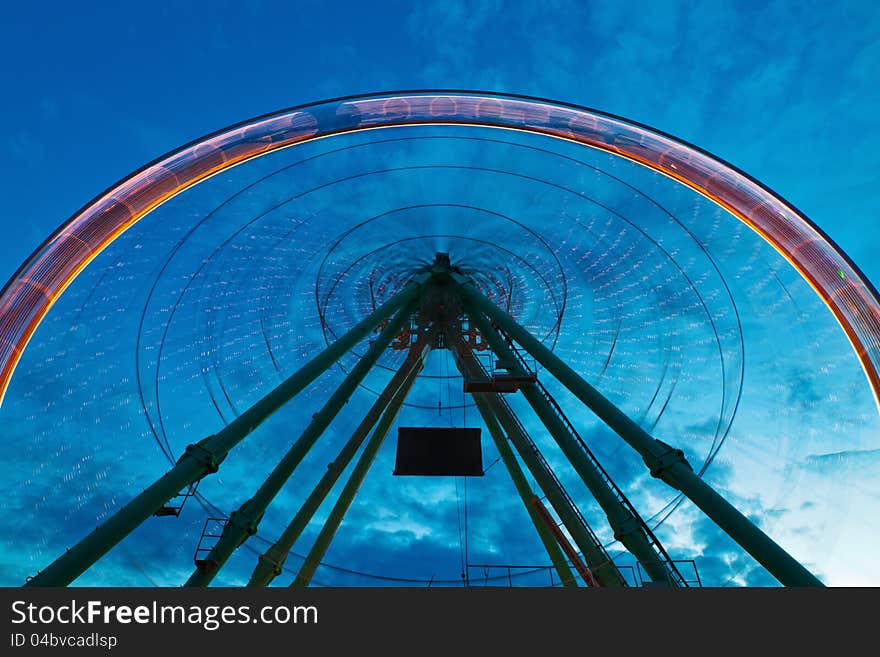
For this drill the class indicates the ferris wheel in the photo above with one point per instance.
(606, 353)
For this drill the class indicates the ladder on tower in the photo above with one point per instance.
(211, 533)
(675, 576)
(175, 505)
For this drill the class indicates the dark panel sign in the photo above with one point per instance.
(432, 451)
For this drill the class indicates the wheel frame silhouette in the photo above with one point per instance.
(30, 294)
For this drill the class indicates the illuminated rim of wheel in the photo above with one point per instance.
(40, 281)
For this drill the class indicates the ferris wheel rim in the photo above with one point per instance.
(858, 314)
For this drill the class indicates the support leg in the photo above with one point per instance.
(334, 520)
(522, 486)
(271, 562)
(243, 523)
(598, 560)
(204, 457)
(663, 461)
(628, 527)
(525, 492)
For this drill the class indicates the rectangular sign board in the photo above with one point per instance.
(435, 451)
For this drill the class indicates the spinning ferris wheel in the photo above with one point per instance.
(611, 360)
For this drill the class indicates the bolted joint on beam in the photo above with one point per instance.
(666, 458)
(273, 560)
(624, 527)
(245, 519)
(201, 453)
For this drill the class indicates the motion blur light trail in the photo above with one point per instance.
(36, 286)
(652, 292)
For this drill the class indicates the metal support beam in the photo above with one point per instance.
(243, 523)
(271, 562)
(204, 457)
(663, 461)
(530, 500)
(563, 541)
(628, 528)
(598, 560)
(346, 497)
(526, 494)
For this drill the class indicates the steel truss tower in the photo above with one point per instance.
(437, 300)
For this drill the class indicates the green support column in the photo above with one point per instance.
(243, 523)
(519, 481)
(271, 562)
(628, 528)
(204, 457)
(663, 461)
(334, 520)
(594, 554)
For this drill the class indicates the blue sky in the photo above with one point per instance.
(785, 91)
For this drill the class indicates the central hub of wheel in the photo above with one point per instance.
(440, 304)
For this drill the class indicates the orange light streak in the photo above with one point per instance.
(144, 191)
